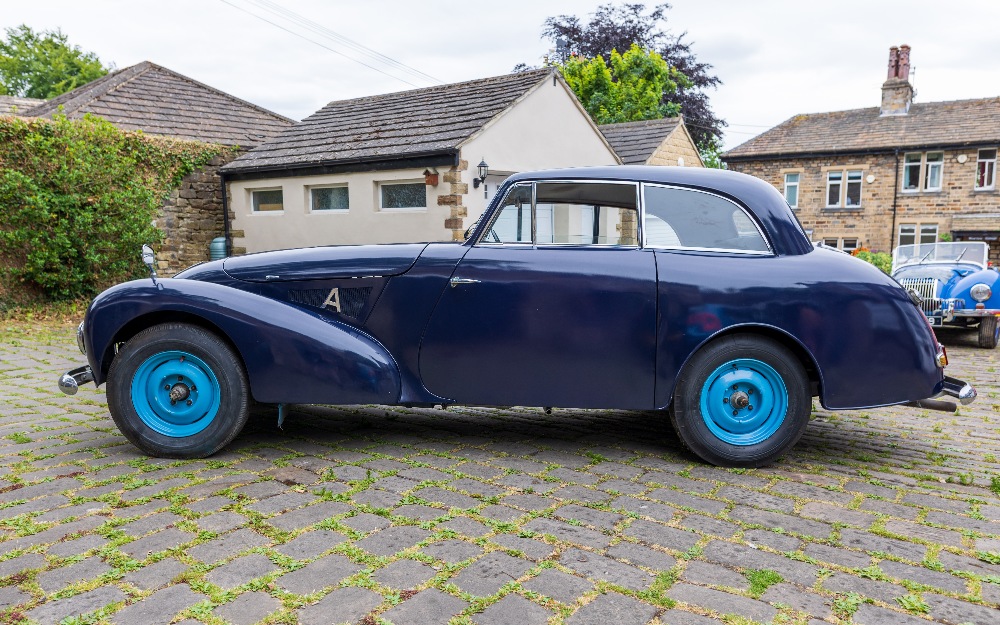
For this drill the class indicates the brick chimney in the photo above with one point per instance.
(897, 92)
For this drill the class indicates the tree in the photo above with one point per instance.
(44, 65)
(630, 89)
(617, 28)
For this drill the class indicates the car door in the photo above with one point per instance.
(555, 305)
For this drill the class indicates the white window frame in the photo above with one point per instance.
(840, 190)
(848, 181)
(254, 211)
(911, 229)
(990, 164)
(909, 163)
(330, 211)
(929, 167)
(408, 209)
(927, 227)
(918, 231)
(789, 184)
(843, 244)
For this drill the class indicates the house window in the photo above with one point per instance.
(396, 195)
(853, 194)
(909, 233)
(267, 200)
(329, 199)
(831, 242)
(849, 245)
(792, 190)
(932, 177)
(834, 182)
(986, 169)
(932, 166)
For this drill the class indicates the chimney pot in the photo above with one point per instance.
(897, 93)
(893, 63)
(904, 62)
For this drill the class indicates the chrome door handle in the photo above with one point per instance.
(457, 281)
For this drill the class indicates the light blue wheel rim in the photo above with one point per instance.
(721, 397)
(153, 382)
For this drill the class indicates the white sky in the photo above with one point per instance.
(775, 58)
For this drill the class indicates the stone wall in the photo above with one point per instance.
(191, 217)
(677, 145)
(872, 222)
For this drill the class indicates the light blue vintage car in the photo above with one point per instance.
(956, 284)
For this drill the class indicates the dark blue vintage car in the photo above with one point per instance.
(957, 287)
(688, 291)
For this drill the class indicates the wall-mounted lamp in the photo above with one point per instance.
(484, 170)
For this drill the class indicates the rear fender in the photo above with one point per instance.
(291, 354)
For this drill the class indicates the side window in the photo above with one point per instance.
(573, 213)
(512, 223)
(683, 218)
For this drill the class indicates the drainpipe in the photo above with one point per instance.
(225, 214)
(895, 194)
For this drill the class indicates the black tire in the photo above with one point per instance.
(232, 390)
(989, 332)
(720, 360)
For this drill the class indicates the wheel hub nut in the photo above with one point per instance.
(739, 400)
(179, 392)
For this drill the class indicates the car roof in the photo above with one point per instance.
(759, 197)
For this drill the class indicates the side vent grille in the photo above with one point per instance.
(352, 300)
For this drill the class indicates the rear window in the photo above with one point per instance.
(685, 218)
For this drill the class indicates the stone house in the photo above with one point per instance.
(653, 142)
(904, 172)
(396, 168)
(163, 103)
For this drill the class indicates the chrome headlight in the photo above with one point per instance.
(981, 292)
(79, 339)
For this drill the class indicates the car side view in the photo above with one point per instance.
(957, 287)
(694, 293)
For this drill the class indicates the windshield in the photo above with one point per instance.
(966, 252)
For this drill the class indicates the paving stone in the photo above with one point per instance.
(53, 612)
(955, 612)
(869, 614)
(76, 546)
(466, 527)
(84, 570)
(922, 532)
(452, 551)
(570, 476)
(145, 525)
(595, 518)
(282, 502)
(954, 562)
(599, 567)
(392, 540)
(222, 522)
(311, 544)
(883, 591)
(501, 513)
(777, 520)
(708, 525)
(310, 515)
(722, 602)
(658, 511)
(527, 483)
(52, 534)
(480, 471)
(436, 494)
(727, 477)
(160, 607)
(160, 541)
(261, 490)
(923, 576)
(513, 609)
(891, 509)
(613, 608)
(561, 586)
(349, 473)
(11, 596)
(529, 502)
(427, 606)
(661, 535)
(531, 548)
(404, 574)
(871, 542)
(706, 573)
(569, 533)
(683, 500)
(616, 469)
(940, 503)
(808, 602)
(241, 570)
(20, 564)
(327, 571)
(365, 522)
(808, 491)
(227, 545)
(582, 494)
(643, 556)
(963, 522)
(843, 557)
(756, 499)
(421, 513)
(680, 617)
(774, 540)
(672, 480)
(82, 509)
(343, 605)
(486, 575)
(740, 556)
(156, 575)
(424, 474)
(836, 514)
(248, 608)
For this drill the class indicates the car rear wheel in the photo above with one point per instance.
(989, 332)
(178, 391)
(741, 401)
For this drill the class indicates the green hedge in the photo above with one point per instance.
(78, 199)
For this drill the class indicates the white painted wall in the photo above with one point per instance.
(546, 129)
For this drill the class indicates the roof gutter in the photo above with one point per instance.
(821, 154)
(437, 158)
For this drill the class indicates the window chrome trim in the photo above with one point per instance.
(749, 215)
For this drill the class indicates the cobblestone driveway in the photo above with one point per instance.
(491, 516)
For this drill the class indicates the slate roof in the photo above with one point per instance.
(931, 124)
(12, 103)
(162, 102)
(635, 142)
(415, 123)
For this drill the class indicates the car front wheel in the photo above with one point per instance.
(741, 401)
(989, 332)
(178, 391)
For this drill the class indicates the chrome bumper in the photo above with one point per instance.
(953, 387)
(70, 381)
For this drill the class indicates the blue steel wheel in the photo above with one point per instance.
(178, 391)
(741, 401)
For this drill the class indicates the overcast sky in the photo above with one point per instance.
(776, 59)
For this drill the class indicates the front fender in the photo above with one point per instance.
(292, 355)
